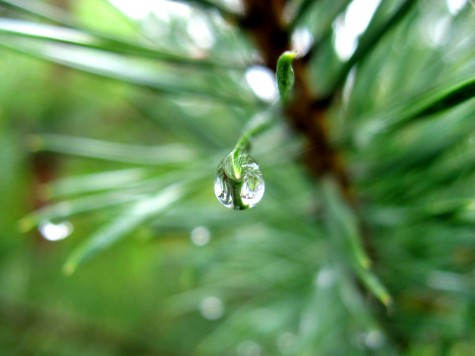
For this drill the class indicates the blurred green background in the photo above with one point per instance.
(113, 118)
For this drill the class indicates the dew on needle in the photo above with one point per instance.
(239, 183)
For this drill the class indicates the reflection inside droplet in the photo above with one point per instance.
(200, 236)
(55, 232)
(212, 308)
(239, 183)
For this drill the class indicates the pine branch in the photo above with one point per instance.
(306, 112)
(41, 10)
(94, 40)
(370, 40)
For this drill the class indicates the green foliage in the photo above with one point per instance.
(126, 157)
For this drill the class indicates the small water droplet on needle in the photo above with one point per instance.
(239, 183)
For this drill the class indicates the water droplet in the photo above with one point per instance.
(55, 232)
(374, 339)
(325, 278)
(240, 185)
(212, 308)
(200, 236)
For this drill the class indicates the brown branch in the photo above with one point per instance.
(309, 115)
(306, 111)
(263, 20)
